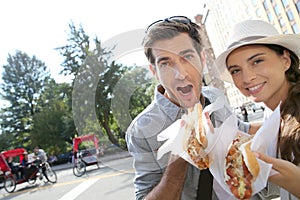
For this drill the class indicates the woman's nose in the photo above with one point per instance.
(248, 74)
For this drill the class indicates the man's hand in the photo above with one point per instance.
(288, 174)
(171, 184)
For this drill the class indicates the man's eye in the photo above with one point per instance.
(164, 64)
(188, 57)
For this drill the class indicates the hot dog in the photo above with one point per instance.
(241, 167)
(197, 141)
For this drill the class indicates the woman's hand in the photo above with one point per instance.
(288, 175)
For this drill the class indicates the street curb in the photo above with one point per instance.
(105, 158)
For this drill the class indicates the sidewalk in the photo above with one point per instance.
(105, 158)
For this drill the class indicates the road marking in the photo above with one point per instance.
(75, 192)
(60, 184)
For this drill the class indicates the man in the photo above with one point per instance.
(40, 154)
(24, 165)
(174, 50)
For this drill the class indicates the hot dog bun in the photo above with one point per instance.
(250, 159)
(241, 167)
(197, 140)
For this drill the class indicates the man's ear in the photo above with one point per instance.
(153, 71)
(203, 58)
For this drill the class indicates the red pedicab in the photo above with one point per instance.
(35, 170)
(86, 157)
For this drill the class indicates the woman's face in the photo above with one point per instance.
(259, 73)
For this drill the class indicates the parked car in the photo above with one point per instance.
(251, 106)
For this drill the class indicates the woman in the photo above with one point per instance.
(264, 66)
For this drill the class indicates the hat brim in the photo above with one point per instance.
(289, 41)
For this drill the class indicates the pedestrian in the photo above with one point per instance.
(264, 66)
(244, 113)
(174, 51)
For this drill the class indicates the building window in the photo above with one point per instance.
(290, 15)
(270, 17)
(295, 28)
(285, 3)
(277, 11)
(298, 6)
(254, 2)
(258, 13)
(281, 21)
(265, 5)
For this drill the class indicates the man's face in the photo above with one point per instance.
(36, 151)
(178, 68)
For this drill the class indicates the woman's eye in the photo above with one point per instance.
(234, 71)
(257, 61)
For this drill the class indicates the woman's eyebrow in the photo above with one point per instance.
(255, 55)
(249, 59)
(229, 67)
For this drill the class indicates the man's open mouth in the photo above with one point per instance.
(185, 89)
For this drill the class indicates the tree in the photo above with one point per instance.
(24, 79)
(54, 123)
(93, 85)
(133, 92)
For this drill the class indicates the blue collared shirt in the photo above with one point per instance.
(141, 138)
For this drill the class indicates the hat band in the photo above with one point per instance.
(244, 40)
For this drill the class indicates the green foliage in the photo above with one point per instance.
(24, 79)
(103, 98)
(95, 81)
(53, 123)
(131, 95)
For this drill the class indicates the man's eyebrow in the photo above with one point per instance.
(181, 53)
(162, 59)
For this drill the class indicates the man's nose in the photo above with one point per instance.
(180, 71)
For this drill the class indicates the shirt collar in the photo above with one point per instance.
(170, 109)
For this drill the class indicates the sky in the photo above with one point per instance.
(38, 27)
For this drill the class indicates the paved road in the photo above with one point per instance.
(105, 158)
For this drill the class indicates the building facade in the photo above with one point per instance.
(283, 14)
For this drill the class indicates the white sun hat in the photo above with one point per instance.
(254, 32)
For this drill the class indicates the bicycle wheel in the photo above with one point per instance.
(79, 168)
(50, 174)
(2, 182)
(10, 184)
(31, 181)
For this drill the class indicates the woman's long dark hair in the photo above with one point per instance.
(289, 138)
